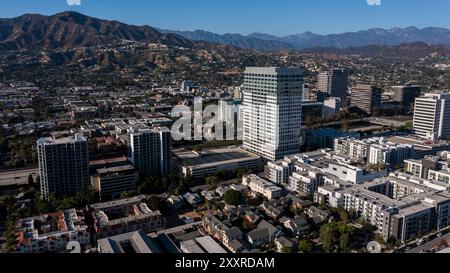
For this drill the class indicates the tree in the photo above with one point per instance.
(379, 238)
(367, 227)
(2, 141)
(212, 180)
(286, 249)
(127, 194)
(40, 205)
(305, 246)
(30, 180)
(329, 236)
(309, 121)
(154, 203)
(246, 225)
(344, 243)
(392, 242)
(241, 172)
(343, 215)
(38, 182)
(232, 197)
(85, 197)
(66, 203)
(345, 125)
(409, 126)
(10, 203)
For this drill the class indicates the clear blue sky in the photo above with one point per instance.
(278, 17)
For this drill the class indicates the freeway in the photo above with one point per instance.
(17, 177)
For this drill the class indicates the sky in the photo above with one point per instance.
(276, 17)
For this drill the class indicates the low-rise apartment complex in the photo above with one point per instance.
(400, 206)
(51, 232)
(123, 216)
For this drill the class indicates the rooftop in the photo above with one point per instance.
(213, 157)
(64, 140)
(211, 246)
(134, 242)
(50, 225)
(108, 161)
(122, 202)
(273, 70)
(115, 169)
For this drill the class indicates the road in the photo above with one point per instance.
(373, 120)
(430, 241)
(17, 177)
(431, 244)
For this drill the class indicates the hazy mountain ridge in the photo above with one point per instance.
(394, 36)
(238, 40)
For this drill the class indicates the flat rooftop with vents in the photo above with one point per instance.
(208, 162)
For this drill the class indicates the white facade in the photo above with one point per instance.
(151, 151)
(350, 173)
(441, 176)
(279, 171)
(389, 153)
(231, 112)
(272, 111)
(237, 94)
(262, 186)
(432, 116)
(331, 106)
(305, 183)
(305, 92)
(355, 149)
(414, 167)
(399, 205)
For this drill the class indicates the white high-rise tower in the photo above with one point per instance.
(272, 111)
(432, 116)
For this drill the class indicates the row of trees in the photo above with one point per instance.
(22, 153)
(215, 144)
(178, 183)
(220, 176)
(172, 184)
(312, 122)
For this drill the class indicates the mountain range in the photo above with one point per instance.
(69, 44)
(306, 40)
(70, 29)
